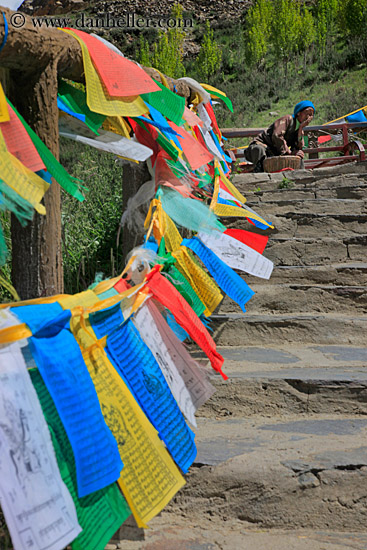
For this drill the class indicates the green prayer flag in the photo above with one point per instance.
(167, 146)
(76, 100)
(185, 289)
(224, 98)
(167, 103)
(179, 281)
(161, 140)
(101, 513)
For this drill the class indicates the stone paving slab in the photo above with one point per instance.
(286, 298)
(230, 329)
(173, 532)
(353, 273)
(322, 206)
(300, 471)
(252, 360)
(285, 380)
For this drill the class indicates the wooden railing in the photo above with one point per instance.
(350, 148)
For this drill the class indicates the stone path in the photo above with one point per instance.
(169, 532)
(282, 445)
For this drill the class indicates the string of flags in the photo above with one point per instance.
(98, 391)
(359, 115)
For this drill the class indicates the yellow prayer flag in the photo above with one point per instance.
(212, 89)
(4, 111)
(204, 286)
(22, 180)
(84, 299)
(233, 211)
(117, 125)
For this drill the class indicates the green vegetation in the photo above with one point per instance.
(90, 227)
(167, 52)
(301, 50)
(210, 55)
(286, 183)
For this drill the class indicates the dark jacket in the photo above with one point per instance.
(281, 137)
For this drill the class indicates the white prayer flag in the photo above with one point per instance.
(37, 505)
(114, 143)
(203, 115)
(237, 254)
(210, 143)
(195, 378)
(150, 334)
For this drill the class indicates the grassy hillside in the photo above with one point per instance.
(332, 99)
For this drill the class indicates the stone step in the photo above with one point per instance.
(306, 225)
(183, 531)
(311, 207)
(232, 329)
(338, 274)
(336, 188)
(351, 175)
(280, 446)
(316, 251)
(305, 471)
(287, 380)
(300, 226)
(285, 298)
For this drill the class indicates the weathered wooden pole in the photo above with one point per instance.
(34, 60)
(40, 272)
(133, 177)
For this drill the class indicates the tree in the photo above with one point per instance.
(34, 60)
(210, 55)
(306, 33)
(285, 29)
(326, 12)
(258, 28)
(143, 53)
(168, 50)
(353, 16)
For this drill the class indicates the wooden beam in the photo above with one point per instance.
(29, 49)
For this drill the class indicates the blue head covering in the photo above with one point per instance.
(303, 105)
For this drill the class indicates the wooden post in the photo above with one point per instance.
(133, 177)
(34, 58)
(36, 249)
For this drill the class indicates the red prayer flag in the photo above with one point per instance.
(20, 144)
(165, 293)
(191, 118)
(253, 240)
(199, 136)
(165, 176)
(121, 286)
(209, 110)
(120, 76)
(196, 154)
(146, 137)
